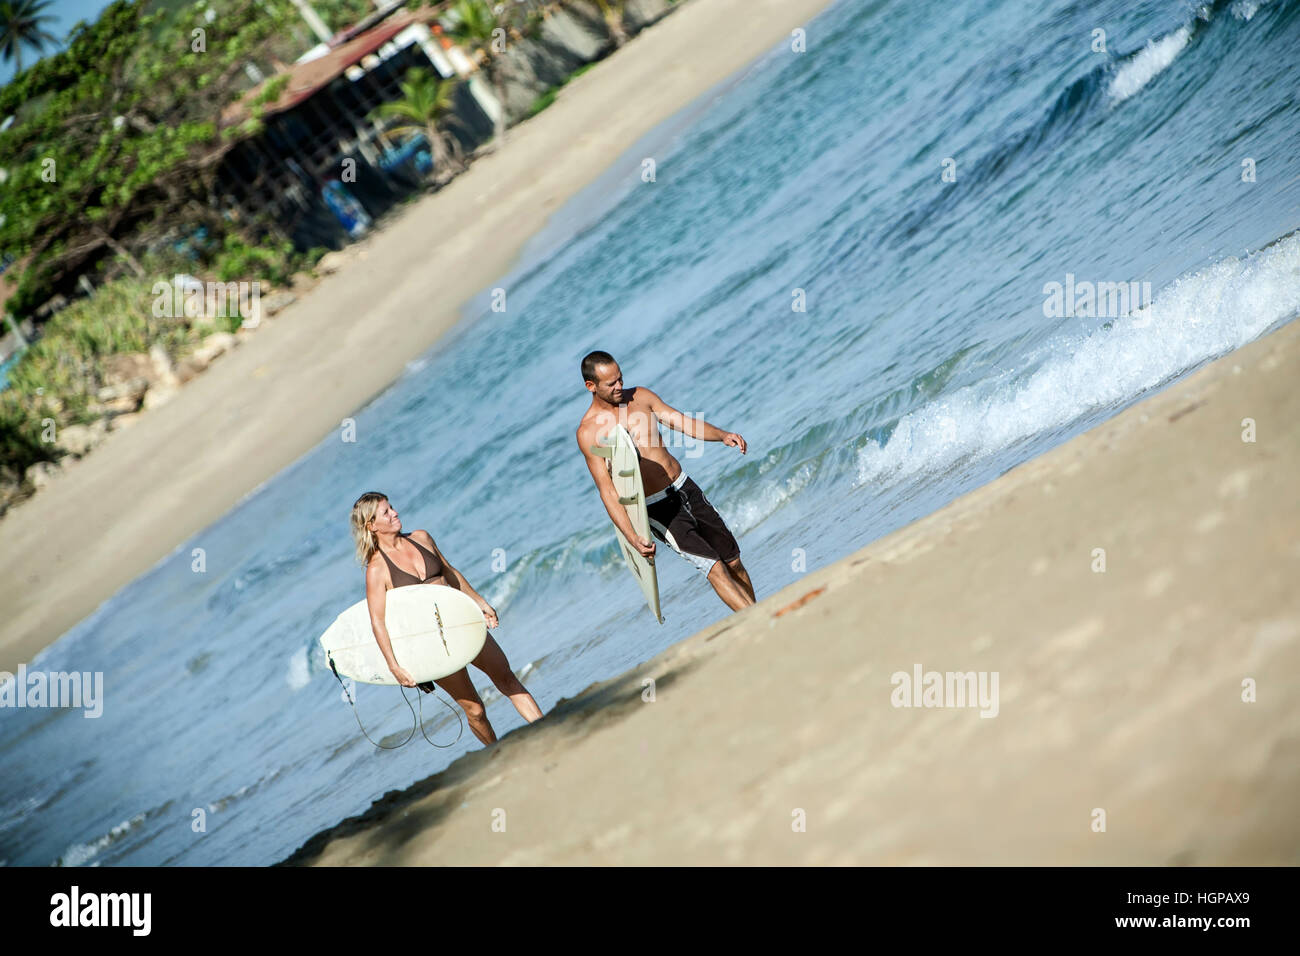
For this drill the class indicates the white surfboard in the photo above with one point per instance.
(625, 469)
(435, 631)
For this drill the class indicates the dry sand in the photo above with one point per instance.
(1120, 691)
(148, 489)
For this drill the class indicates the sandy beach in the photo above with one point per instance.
(1146, 713)
(148, 489)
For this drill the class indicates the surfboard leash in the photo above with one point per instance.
(417, 721)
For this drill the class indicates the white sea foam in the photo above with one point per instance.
(219, 805)
(748, 513)
(1199, 316)
(1245, 9)
(299, 675)
(79, 854)
(1148, 63)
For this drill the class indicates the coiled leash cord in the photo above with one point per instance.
(417, 721)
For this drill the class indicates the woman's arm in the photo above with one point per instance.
(376, 601)
(463, 584)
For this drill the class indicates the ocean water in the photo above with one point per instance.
(924, 365)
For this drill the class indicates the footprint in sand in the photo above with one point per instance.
(1209, 522)
(1235, 485)
(1158, 582)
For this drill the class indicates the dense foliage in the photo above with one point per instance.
(114, 142)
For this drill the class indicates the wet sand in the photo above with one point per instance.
(1119, 691)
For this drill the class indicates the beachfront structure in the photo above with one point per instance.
(319, 149)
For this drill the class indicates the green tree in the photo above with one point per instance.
(473, 23)
(612, 10)
(22, 24)
(117, 139)
(427, 101)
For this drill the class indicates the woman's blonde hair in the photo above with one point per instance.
(362, 512)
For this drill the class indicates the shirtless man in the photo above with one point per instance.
(680, 515)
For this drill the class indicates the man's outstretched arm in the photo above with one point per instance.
(688, 425)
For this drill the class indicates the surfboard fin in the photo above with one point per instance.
(627, 501)
(602, 451)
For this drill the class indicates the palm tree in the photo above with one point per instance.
(426, 101)
(22, 24)
(473, 24)
(613, 13)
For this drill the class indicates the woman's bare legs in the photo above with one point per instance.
(492, 661)
(461, 689)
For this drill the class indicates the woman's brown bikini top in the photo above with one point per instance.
(403, 578)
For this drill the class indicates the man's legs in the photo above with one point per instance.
(729, 589)
(688, 524)
(742, 577)
(732, 579)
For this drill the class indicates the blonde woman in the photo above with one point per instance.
(394, 560)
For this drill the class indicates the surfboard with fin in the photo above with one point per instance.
(625, 469)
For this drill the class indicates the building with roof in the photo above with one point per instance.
(319, 154)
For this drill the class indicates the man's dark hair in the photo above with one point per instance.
(592, 360)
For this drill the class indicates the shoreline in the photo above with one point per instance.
(1157, 695)
(148, 489)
